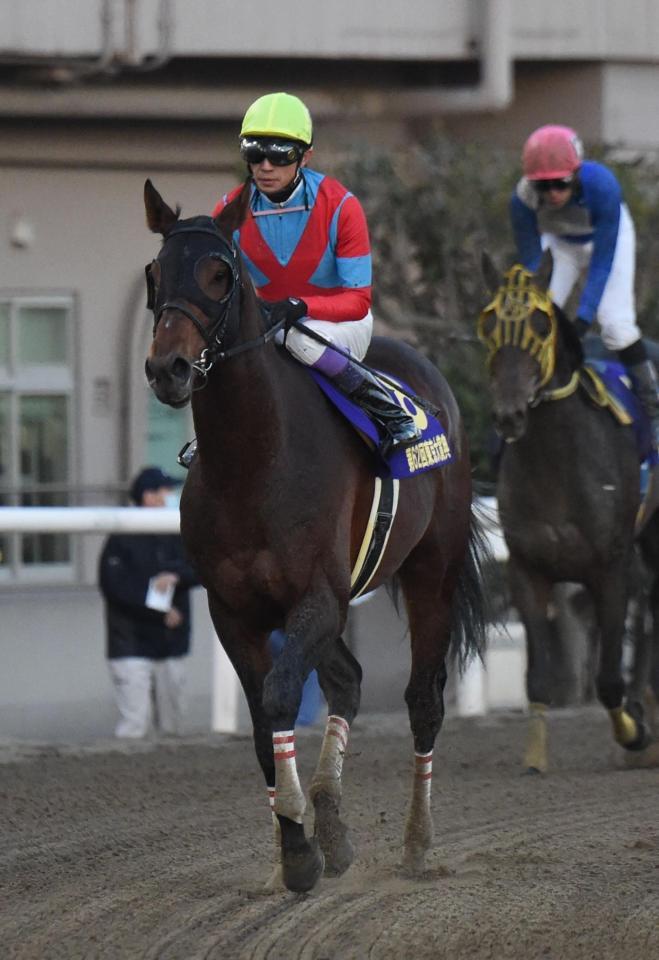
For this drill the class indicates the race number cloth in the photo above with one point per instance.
(428, 453)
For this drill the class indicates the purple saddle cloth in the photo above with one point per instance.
(428, 453)
(615, 379)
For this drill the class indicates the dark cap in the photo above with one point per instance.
(150, 478)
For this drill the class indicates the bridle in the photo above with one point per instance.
(516, 301)
(221, 314)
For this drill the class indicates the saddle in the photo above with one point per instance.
(431, 451)
(607, 385)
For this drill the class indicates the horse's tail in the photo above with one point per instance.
(471, 604)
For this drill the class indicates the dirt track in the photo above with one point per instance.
(158, 851)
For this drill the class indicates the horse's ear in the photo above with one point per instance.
(543, 273)
(233, 216)
(490, 273)
(159, 217)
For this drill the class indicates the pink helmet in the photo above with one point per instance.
(552, 152)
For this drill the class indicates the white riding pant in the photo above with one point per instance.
(148, 692)
(350, 335)
(616, 313)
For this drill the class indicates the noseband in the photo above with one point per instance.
(513, 307)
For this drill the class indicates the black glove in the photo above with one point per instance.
(289, 311)
(582, 327)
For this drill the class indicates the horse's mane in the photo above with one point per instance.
(570, 339)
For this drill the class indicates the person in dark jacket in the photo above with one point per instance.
(145, 581)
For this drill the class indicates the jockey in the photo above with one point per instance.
(306, 246)
(575, 208)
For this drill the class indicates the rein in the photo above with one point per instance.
(220, 313)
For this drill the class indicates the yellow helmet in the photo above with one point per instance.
(278, 115)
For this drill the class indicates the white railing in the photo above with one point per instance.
(228, 712)
(157, 520)
(88, 520)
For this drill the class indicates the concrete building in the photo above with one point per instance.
(97, 95)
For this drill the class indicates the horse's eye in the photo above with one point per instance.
(211, 275)
(487, 325)
(540, 323)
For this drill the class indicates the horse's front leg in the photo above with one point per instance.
(531, 595)
(340, 679)
(610, 606)
(428, 598)
(309, 627)
(251, 659)
(652, 693)
(643, 642)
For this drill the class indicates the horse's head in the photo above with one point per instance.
(519, 327)
(194, 290)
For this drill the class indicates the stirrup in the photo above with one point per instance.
(649, 496)
(186, 453)
(391, 444)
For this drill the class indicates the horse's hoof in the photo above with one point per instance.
(414, 862)
(642, 740)
(303, 867)
(332, 835)
(533, 772)
(412, 866)
(340, 857)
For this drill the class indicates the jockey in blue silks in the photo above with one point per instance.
(575, 208)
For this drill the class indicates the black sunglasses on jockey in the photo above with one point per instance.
(559, 183)
(280, 153)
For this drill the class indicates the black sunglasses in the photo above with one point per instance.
(544, 186)
(280, 153)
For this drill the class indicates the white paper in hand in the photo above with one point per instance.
(159, 599)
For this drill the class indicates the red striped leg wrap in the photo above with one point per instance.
(327, 777)
(335, 742)
(283, 744)
(423, 771)
(289, 799)
(339, 728)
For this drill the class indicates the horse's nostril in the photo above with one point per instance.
(181, 369)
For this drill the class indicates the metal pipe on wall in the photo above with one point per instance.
(495, 89)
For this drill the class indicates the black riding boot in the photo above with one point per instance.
(646, 386)
(368, 393)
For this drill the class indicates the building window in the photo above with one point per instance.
(36, 398)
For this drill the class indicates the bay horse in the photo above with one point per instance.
(273, 512)
(568, 490)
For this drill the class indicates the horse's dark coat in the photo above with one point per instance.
(568, 493)
(273, 513)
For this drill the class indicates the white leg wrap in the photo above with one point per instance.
(327, 776)
(418, 832)
(423, 775)
(289, 800)
(418, 829)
